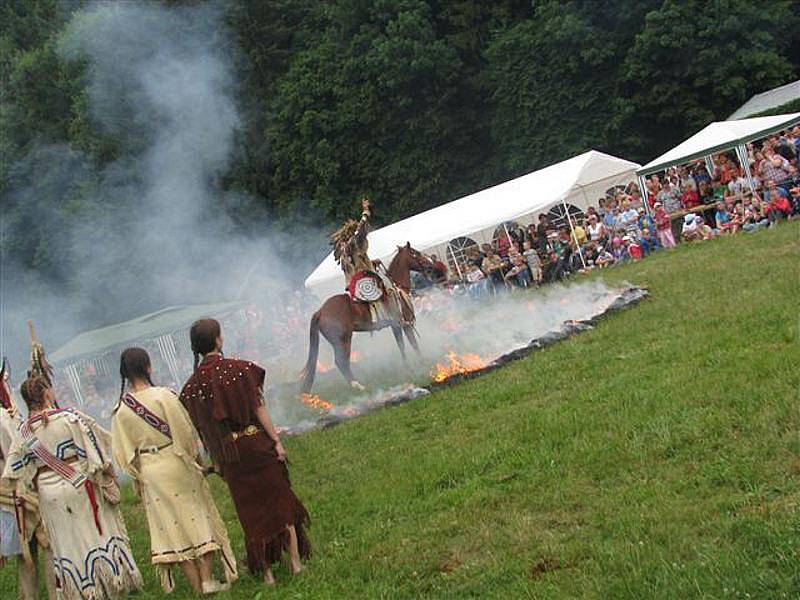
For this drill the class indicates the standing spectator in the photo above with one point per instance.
(541, 232)
(774, 167)
(664, 227)
(669, 197)
(534, 263)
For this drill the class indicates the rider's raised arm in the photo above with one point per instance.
(361, 231)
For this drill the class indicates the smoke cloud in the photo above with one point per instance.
(150, 229)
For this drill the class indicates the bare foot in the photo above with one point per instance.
(268, 578)
(297, 568)
(357, 386)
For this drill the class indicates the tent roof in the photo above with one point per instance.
(486, 208)
(719, 136)
(152, 325)
(767, 100)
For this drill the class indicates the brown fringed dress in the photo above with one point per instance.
(222, 397)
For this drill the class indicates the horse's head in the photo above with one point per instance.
(416, 260)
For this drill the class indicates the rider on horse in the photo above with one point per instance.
(364, 282)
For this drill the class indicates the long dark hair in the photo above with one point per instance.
(203, 336)
(32, 390)
(134, 363)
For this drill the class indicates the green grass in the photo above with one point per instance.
(653, 457)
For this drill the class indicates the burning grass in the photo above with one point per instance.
(457, 364)
(315, 402)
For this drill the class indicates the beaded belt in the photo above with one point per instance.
(153, 449)
(247, 431)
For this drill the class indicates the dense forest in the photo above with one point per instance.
(410, 102)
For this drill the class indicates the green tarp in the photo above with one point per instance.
(166, 320)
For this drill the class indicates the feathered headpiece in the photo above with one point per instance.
(341, 236)
(38, 367)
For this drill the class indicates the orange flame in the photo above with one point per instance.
(314, 401)
(322, 367)
(456, 365)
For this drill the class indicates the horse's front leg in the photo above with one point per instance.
(412, 338)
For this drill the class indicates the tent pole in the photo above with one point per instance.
(572, 228)
(744, 162)
(643, 191)
(508, 235)
(455, 261)
(710, 166)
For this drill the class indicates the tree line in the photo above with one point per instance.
(410, 102)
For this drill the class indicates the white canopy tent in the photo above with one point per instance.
(576, 182)
(720, 136)
(764, 101)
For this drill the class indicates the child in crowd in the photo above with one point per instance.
(604, 258)
(633, 248)
(690, 198)
(618, 250)
(519, 274)
(534, 262)
(724, 220)
(689, 231)
(704, 230)
(477, 284)
(664, 227)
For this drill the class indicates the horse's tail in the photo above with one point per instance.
(309, 371)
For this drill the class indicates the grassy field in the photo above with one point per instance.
(657, 456)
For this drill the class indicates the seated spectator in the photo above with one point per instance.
(477, 284)
(492, 266)
(664, 227)
(618, 250)
(703, 229)
(519, 274)
(723, 219)
(604, 258)
(648, 241)
(534, 263)
(778, 205)
(554, 268)
(579, 237)
(610, 217)
(596, 229)
(689, 230)
(590, 253)
(628, 220)
(633, 248)
(753, 219)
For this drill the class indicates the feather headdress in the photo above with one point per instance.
(341, 236)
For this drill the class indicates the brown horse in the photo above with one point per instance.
(340, 316)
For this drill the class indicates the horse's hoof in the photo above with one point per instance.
(357, 386)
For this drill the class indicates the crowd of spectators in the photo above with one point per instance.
(686, 204)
